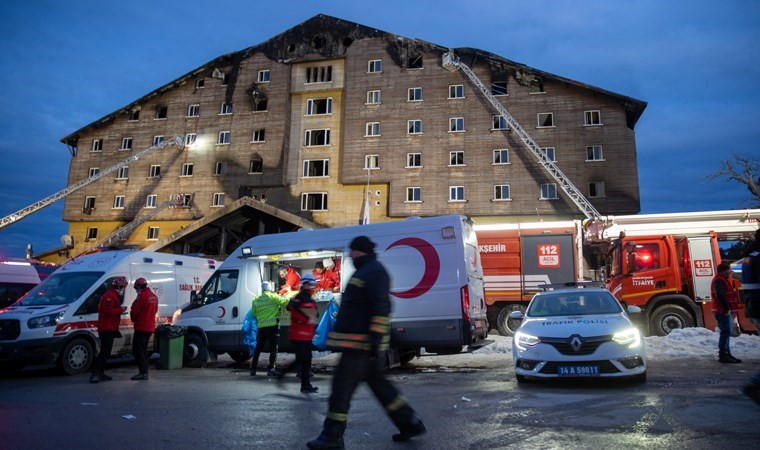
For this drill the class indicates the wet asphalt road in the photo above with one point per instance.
(684, 404)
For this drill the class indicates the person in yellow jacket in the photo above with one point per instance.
(267, 309)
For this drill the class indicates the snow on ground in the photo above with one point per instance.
(685, 343)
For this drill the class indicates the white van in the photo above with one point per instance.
(56, 321)
(18, 275)
(436, 285)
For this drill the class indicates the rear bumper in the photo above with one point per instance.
(438, 333)
(33, 351)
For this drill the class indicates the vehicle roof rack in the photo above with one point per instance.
(572, 284)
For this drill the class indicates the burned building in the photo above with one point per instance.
(332, 121)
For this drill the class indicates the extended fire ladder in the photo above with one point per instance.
(47, 201)
(451, 62)
(120, 234)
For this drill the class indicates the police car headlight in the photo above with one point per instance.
(523, 341)
(50, 320)
(630, 337)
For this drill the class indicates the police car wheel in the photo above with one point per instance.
(76, 357)
(668, 318)
(196, 353)
(505, 325)
(239, 357)
(640, 378)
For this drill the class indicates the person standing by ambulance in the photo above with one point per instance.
(303, 322)
(725, 302)
(362, 332)
(109, 318)
(267, 309)
(143, 315)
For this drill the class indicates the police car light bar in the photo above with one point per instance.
(572, 284)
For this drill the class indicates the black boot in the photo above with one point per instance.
(734, 359)
(104, 377)
(725, 359)
(94, 378)
(416, 428)
(322, 441)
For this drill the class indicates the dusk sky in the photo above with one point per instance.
(697, 64)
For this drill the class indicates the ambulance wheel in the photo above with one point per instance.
(668, 318)
(505, 325)
(196, 353)
(76, 357)
(239, 357)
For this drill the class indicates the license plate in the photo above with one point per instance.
(578, 371)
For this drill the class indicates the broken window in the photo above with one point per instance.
(226, 79)
(537, 87)
(220, 167)
(316, 168)
(89, 202)
(321, 74)
(256, 165)
(134, 115)
(596, 189)
(190, 139)
(260, 104)
(259, 135)
(415, 62)
(200, 84)
(499, 87)
(92, 233)
(161, 112)
(317, 137)
(314, 201)
(316, 106)
(217, 199)
(545, 120)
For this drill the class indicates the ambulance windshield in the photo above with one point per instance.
(60, 289)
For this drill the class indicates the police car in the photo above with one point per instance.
(577, 330)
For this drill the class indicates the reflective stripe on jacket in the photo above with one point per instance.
(267, 308)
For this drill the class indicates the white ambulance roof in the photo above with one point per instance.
(109, 259)
(339, 238)
(18, 272)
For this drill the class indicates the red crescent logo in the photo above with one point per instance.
(432, 266)
(224, 311)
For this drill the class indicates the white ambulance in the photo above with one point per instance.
(436, 285)
(56, 321)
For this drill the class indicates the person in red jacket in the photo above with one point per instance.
(303, 322)
(725, 301)
(109, 317)
(143, 315)
(289, 281)
(327, 279)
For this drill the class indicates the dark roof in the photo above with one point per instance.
(328, 37)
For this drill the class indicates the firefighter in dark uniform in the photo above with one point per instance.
(362, 332)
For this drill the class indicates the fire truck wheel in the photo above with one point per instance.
(505, 325)
(196, 353)
(239, 357)
(668, 318)
(76, 357)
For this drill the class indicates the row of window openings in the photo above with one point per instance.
(92, 233)
(255, 166)
(223, 138)
(151, 201)
(162, 112)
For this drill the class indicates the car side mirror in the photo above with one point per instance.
(517, 315)
(633, 309)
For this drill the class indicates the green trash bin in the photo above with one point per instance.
(171, 346)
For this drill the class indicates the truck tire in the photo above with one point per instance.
(505, 325)
(77, 357)
(239, 357)
(196, 353)
(406, 356)
(667, 318)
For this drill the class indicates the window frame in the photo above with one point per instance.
(372, 93)
(305, 196)
(118, 202)
(410, 97)
(499, 152)
(323, 74)
(556, 194)
(592, 149)
(455, 89)
(263, 76)
(372, 66)
(157, 171)
(597, 184)
(186, 171)
(191, 139)
(92, 234)
(193, 110)
(554, 153)
(220, 168)
(501, 187)
(310, 106)
(215, 197)
(589, 114)
(455, 121)
(225, 109)
(411, 155)
(411, 190)
(151, 201)
(372, 162)
(222, 141)
(325, 168)
(370, 127)
(258, 136)
(134, 116)
(162, 113)
(456, 190)
(97, 146)
(496, 122)
(87, 201)
(128, 141)
(152, 234)
(200, 83)
(411, 126)
(158, 140)
(456, 153)
(308, 134)
(121, 171)
(506, 88)
(250, 166)
(549, 115)
(92, 171)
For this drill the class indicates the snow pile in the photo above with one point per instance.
(699, 343)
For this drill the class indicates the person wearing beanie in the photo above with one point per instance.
(725, 302)
(266, 308)
(362, 334)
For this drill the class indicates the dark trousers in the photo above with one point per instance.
(352, 369)
(106, 345)
(725, 323)
(140, 349)
(302, 362)
(266, 335)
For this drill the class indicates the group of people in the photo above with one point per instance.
(143, 315)
(361, 333)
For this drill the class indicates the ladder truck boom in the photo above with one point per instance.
(47, 201)
(451, 62)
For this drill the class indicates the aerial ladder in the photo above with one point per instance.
(121, 234)
(47, 201)
(451, 62)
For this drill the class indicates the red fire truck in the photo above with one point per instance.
(663, 263)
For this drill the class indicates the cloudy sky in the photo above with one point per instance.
(697, 64)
